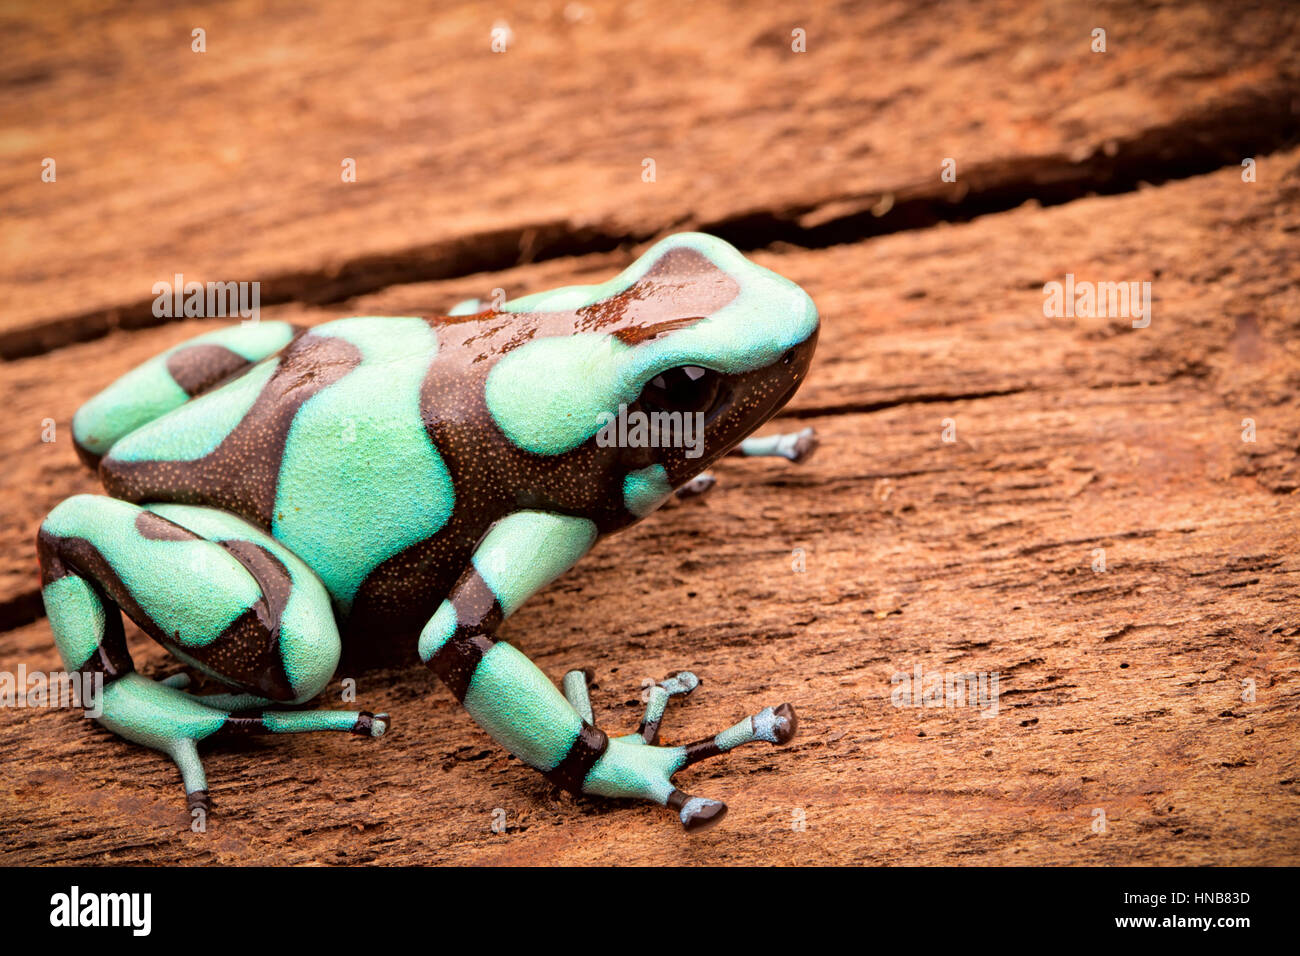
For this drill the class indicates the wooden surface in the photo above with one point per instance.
(1121, 691)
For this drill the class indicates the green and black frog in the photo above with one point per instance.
(276, 491)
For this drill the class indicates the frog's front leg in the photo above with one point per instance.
(792, 446)
(515, 702)
(796, 447)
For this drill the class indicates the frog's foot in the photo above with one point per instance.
(158, 715)
(359, 723)
(696, 486)
(792, 446)
(773, 725)
(576, 685)
(635, 765)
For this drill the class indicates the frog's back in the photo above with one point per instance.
(323, 444)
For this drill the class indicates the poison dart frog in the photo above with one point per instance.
(276, 491)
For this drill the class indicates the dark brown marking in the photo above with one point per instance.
(475, 603)
(478, 615)
(586, 749)
(248, 651)
(87, 457)
(683, 287)
(111, 657)
(457, 660)
(241, 724)
(649, 731)
(701, 750)
(157, 528)
(197, 368)
(785, 733)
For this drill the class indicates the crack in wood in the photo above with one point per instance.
(1220, 134)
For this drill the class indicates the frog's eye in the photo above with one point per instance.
(687, 388)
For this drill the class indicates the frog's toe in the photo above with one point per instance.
(696, 813)
(792, 446)
(372, 725)
(773, 725)
(576, 686)
(785, 724)
(675, 685)
(803, 445)
(683, 682)
(199, 800)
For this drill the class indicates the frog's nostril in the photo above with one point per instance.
(788, 357)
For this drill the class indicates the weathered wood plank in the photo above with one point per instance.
(1120, 691)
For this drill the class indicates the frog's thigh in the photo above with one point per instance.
(169, 380)
(214, 590)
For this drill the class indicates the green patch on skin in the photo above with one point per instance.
(526, 550)
(148, 391)
(646, 489)
(550, 395)
(467, 307)
(137, 398)
(360, 481)
(192, 590)
(254, 340)
(76, 617)
(196, 428)
(514, 702)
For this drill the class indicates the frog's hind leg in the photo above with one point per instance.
(219, 594)
(171, 379)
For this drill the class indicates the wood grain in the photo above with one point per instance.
(1125, 691)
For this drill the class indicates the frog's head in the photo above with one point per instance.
(690, 334)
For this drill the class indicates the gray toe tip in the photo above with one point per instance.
(699, 814)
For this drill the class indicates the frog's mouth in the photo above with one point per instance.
(687, 388)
